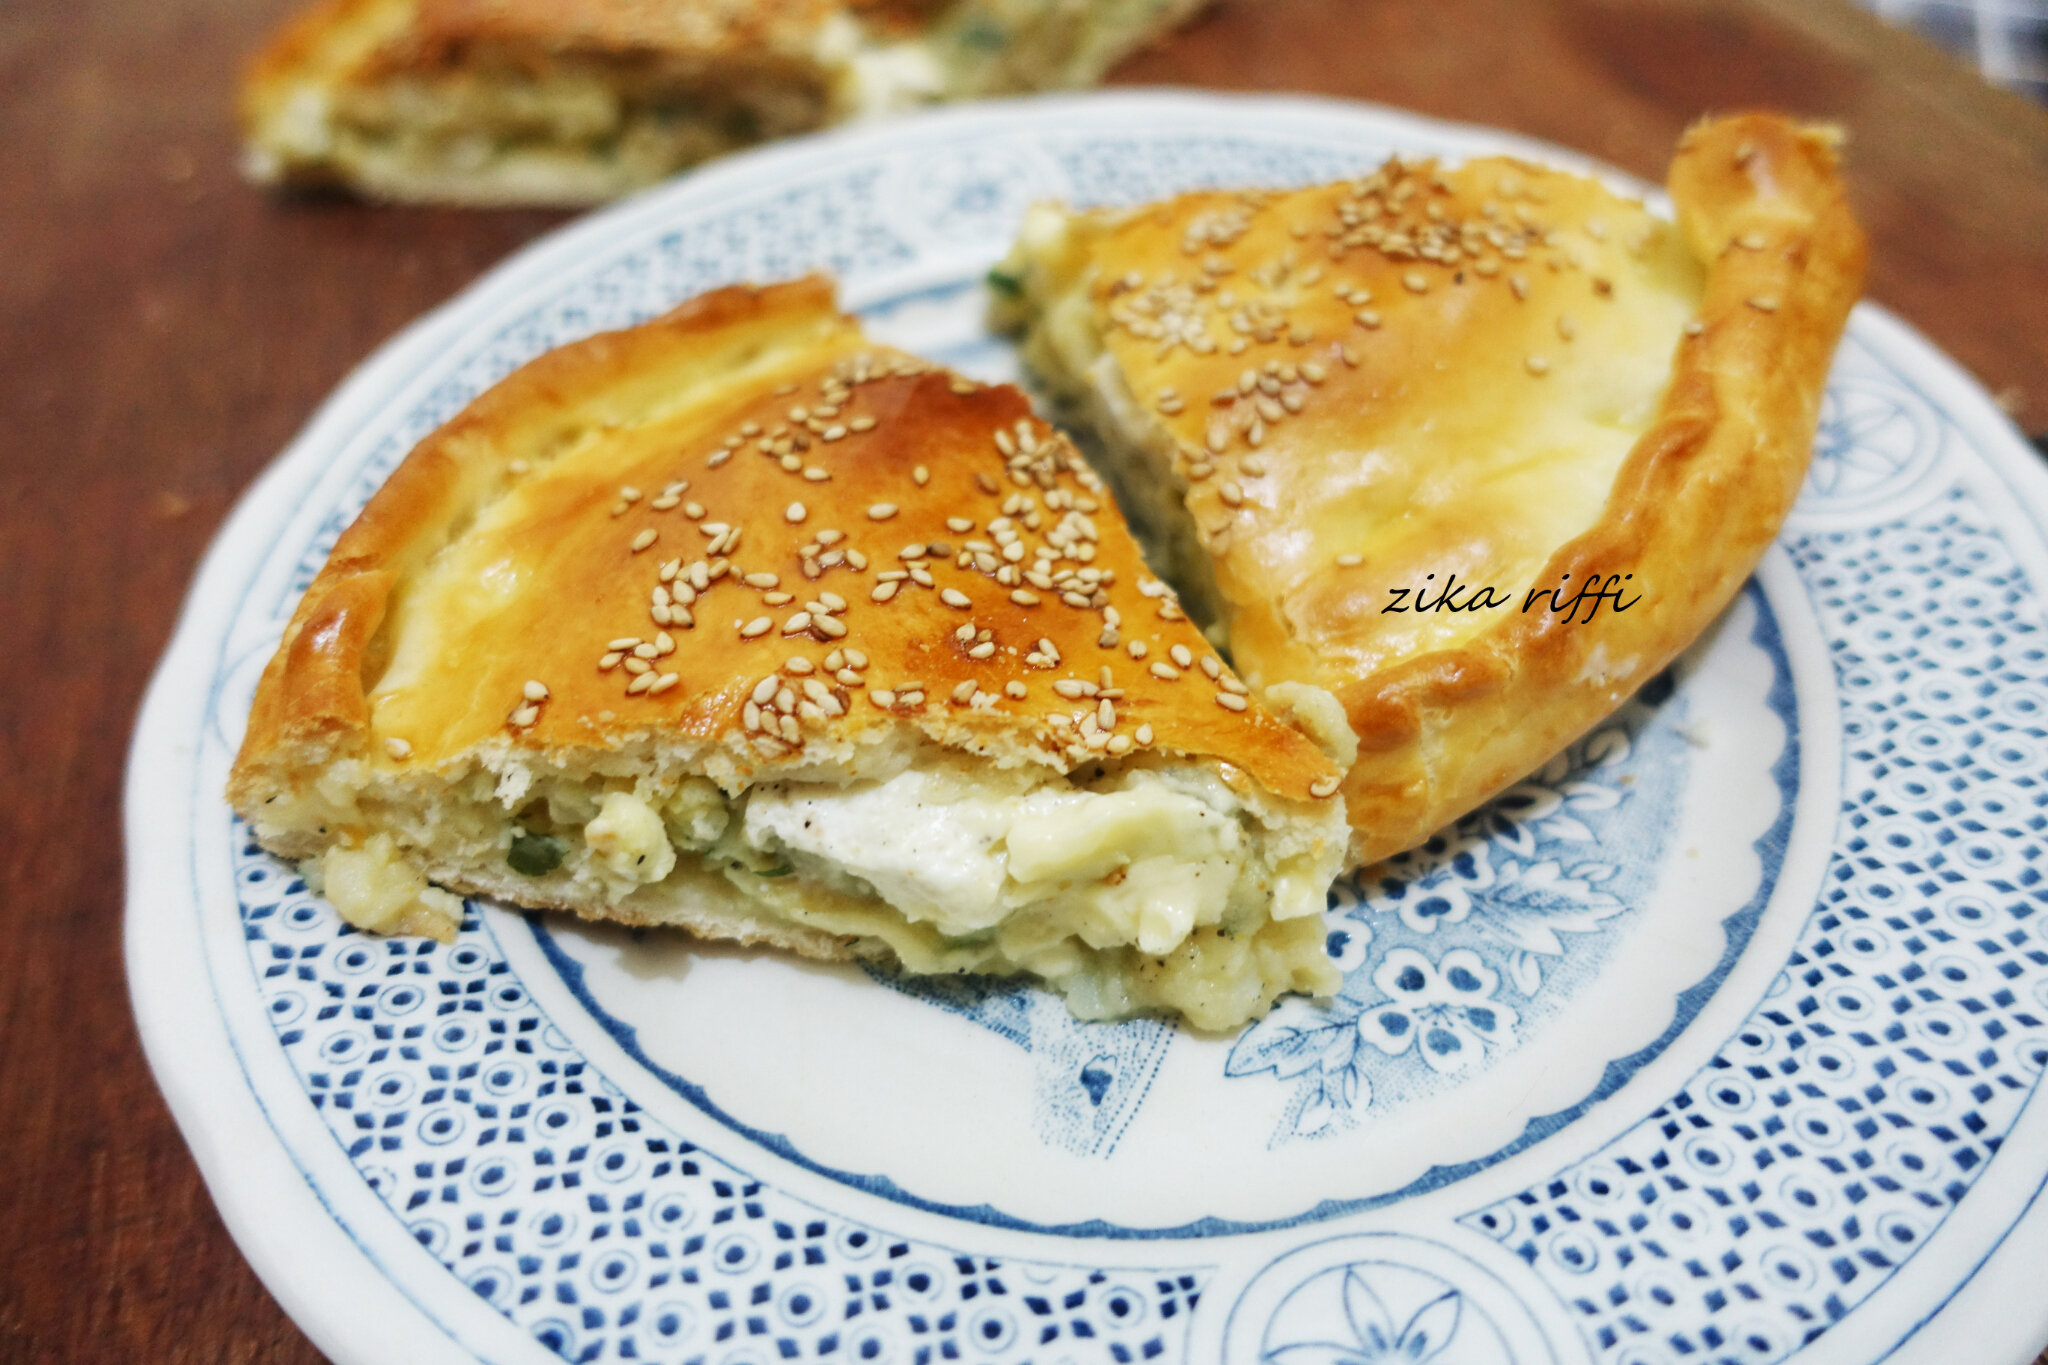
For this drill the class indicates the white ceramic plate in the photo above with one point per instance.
(1717, 1039)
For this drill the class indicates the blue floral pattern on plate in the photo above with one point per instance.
(1813, 1119)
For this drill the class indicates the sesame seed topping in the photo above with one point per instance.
(527, 715)
(797, 624)
(624, 642)
(794, 513)
(609, 661)
(1324, 786)
(1764, 303)
(644, 539)
(1350, 561)
(1695, 327)
(1415, 282)
(1751, 241)
(1210, 667)
(861, 424)
(756, 628)
(663, 684)
(953, 597)
(534, 690)
(1165, 671)
(1144, 734)
(1024, 597)
(1230, 701)
(1537, 364)
(1368, 319)
(1231, 493)
(397, 748)
(982, 650)
(881, 511)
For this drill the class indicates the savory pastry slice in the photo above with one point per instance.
(738, 622)
(575, 101)
(1476, 451)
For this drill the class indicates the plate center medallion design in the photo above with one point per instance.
(1540, 941)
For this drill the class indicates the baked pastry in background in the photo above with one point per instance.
(569, 102)
(1476, 451)
(738, 622)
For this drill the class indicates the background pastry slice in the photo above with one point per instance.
(1360, 424)
(575, 101)
(738, 622)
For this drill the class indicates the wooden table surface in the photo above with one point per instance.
(164, 330)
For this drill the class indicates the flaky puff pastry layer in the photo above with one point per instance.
(616, 562)
(1502, 372)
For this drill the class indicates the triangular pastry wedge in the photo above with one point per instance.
(740, 622)
(575, 101)
(1477, 451)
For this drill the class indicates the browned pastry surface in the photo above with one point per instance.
(533, 573)
(1350, 394)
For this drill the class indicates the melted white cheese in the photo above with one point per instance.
(1143, 865)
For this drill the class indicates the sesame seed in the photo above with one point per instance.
(1566, 328)
(609, 661)
(922, 476)
(534, 690)
(828, 627)
(798, 664)
(1415, 282)
(1764, 303)
(1536, 364)
(1105, 714)
(1368, 319)
(861, 424)
(527, 715)
(761, 580)
(1024, 597)
(1324, 786)
(1232, 495)
(765, 690)
(397, 748)
(644, 539)
(1695, 327)
(624, 642)
(1165, 671)
(856, 659)
(881, 511)
(1230, 701)
(835, 432)
(797, 624)
(663, 684)
(1350, 561)
(1211, 667)
(757, 627)
(953, 597)
(882, 697)
(794, 513)
(1751, 241)
(1519, 285)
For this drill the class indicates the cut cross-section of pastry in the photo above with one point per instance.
(1476, 451)
(739, 622)
(574, 101)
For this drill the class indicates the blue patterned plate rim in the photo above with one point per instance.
(311, 1236)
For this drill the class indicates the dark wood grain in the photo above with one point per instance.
(164, 330)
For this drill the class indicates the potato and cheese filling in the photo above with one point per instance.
(522, 103)
(1148, 887)
(737, 623)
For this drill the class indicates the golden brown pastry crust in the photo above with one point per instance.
(669, 401)
(570, 102)
(1699, 499)
(1449, 710)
